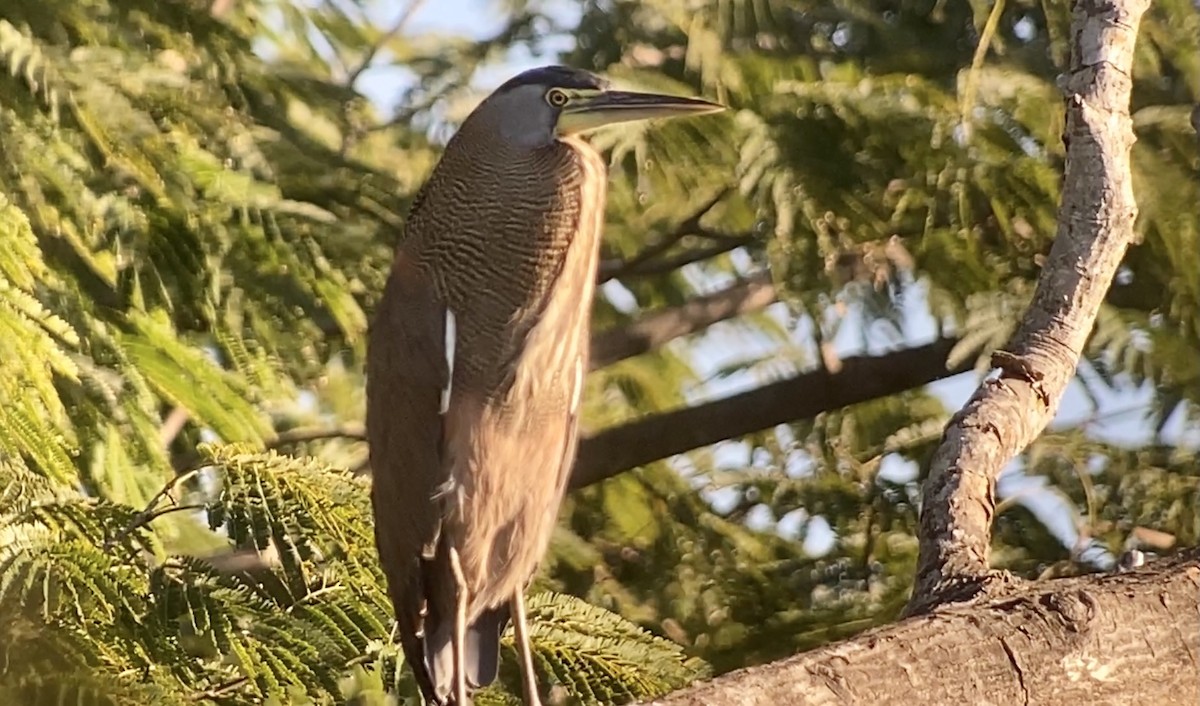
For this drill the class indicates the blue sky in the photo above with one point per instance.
(477, 19)
(1120, 416)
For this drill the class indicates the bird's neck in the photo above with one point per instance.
(510, 238)
(513, 211)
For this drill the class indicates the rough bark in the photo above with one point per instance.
(1123, 639)
(607, 453)
(977, 637)
(1095, 227)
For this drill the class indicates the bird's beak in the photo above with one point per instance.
(608, 107)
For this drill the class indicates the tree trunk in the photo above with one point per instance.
(1095, 227)
(1127, 639)
(983, 637)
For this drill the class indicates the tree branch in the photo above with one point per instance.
(1095, 227)
(149, 513)
(172, 425)
(351, 431)
(1130, 638)
(723, 243)
(615, 344)
(378, 44)
(648, 262)
(220, 8)
(685, 227)
(658, 327)
(607, 453)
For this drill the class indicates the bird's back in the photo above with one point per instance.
(497, 269)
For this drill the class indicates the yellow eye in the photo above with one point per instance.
(557, 98)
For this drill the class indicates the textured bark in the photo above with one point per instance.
(658, 327)
(1124, 639)
(607, 453)
(1117, 639)
(1095, 227)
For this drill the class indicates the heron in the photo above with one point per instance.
(475, 368)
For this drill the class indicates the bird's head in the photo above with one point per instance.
(541, 105)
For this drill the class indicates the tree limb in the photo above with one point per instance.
(658, 327)
(689, 226)
(351, 432)
(615, 344)
(220, 8)
(1095, 227)
(172, 425)
(1130, 638)
(607, 453)
(723, 243)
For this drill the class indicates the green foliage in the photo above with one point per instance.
(34, 347)
(91, 612)
(196, 218)
(602, 658)
(883, 161)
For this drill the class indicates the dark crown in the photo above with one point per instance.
(559, 76)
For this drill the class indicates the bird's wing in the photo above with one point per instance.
(408, 375)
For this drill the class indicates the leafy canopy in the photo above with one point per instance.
(197, 211)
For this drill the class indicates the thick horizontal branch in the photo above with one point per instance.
(658, 327)
(1124, 639)
(642, 335)
(1095, 227)
(607, 453)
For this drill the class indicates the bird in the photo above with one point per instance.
(476, 357)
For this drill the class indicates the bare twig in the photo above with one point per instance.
(349, 133)
(220, 8)
(352, 432)
(644, 261)
(656, 328)
(1095, 227)
(148, 513)
(220, 690)
(172, 425)
(376, 46)
(724, 243)
(246, 560)
(152, 516)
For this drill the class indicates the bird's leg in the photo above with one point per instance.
(460, 630)
(521, 633)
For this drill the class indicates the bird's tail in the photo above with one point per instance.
(433, 663)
